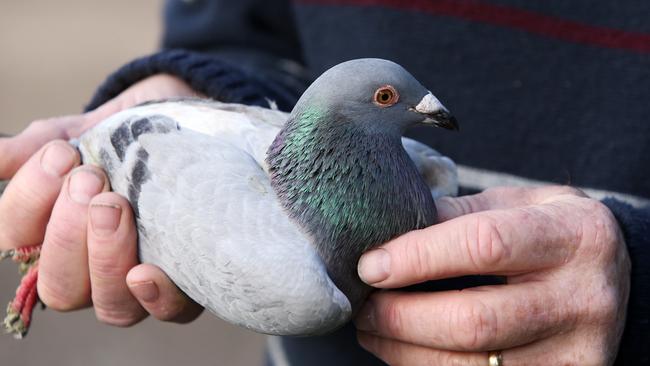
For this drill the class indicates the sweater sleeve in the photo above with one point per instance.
(635, 223)
(238, 52)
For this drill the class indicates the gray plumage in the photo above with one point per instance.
(197, 174)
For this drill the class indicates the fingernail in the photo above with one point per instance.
(145, 291)
(105, 218)
(374, 266)
(365, 320)
(57, 160)
(84, 185)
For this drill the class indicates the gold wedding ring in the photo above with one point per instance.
(495, 358)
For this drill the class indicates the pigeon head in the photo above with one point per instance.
(377, 95)
(339, 167)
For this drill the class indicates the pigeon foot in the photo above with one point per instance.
(19, 310)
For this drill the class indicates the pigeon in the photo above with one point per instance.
(261, 216)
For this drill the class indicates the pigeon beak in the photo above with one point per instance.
(435, 113)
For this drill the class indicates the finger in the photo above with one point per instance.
(499, 242)
(476, 319)
(499, 198)
(157, 87)
(104, 111)
(561, 350)
(63, 282)
(112, 252)
(397, 353)
(159, 296)
(16, 150)
(27, 202)
(11, 159)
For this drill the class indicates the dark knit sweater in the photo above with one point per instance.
(553, 91)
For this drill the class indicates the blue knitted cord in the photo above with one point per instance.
(206, 74)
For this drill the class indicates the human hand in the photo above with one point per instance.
(16, 150)
(567, 271)
(54, 201)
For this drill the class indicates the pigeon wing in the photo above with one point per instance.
(209, 218)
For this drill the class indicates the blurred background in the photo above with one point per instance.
(53, 54)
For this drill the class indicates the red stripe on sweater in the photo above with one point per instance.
(480, 11)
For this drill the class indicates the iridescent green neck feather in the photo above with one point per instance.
(350, 187)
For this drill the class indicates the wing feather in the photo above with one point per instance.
(209, 218)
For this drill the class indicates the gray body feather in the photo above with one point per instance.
(195, 174)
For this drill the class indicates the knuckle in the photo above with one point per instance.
(38, 125)
(487, 248)
(474, 325)
(64, 235)
(501, 191)
(107, 267)
(598, 209)
(104, 268)
(498, 195)
(19, 210)
(459, 204)
(78, 124)
(600, 231)
(33, 199)
(549, 311)
(564, 190)
(8, 163)
(11, 237)
(416, 255)
(604, 305)
(394, 318)
(469, 204)
(45, 127)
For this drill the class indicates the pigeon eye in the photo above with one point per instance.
(386, 96)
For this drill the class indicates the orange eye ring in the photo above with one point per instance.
(386, 96)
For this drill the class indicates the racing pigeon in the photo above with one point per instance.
(261, 216)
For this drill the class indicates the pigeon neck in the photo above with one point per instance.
(350, 189)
